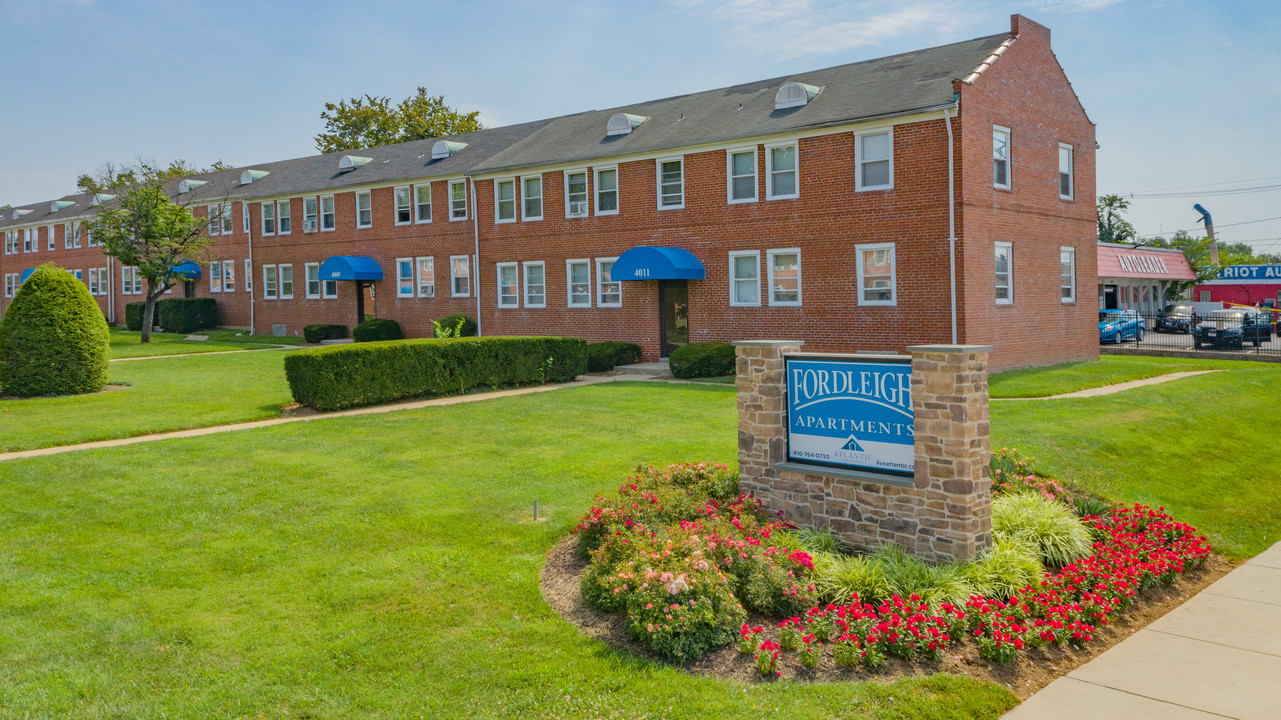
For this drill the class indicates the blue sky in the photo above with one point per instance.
(1186, 95)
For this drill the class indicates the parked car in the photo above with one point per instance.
(1233, 328)
(1118, 325)
(1177, 317)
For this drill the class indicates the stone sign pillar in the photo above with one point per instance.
(940, 513)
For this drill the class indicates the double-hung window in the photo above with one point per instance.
(215, 276)
(284, 225)
(224, 212)
(875, 160)
(745, 278)
(508, 286)
(26, 240)
(49, 236)
(876, 274)
(741, 171)
(504, 201)
(460, 275)
(93, 281)
(531, 197)
(215, 224)
(609, 292)
(8, 285)
(535, 285)
(457, 200)
(311, 275)
(671, 184)
(244, 217)
(269, 218)
(1001, 157)
(286, 282)
(784, 276)
(404, 205)
(426, 277)
(576, 193)
(310, 214)
(422, 203)
(1004, 270)
(607, 191)
(1067, 274)
(327, 218)
(1065, 172)
(228, 275)
(781, 172)
(66, 237)
(270, 291)
(578, 278)
(364, 210)
(404, 277)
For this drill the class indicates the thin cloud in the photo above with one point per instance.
(1072, 6)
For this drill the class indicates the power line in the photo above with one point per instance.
(1193, 187)
(1216, 227)
(1205, 193)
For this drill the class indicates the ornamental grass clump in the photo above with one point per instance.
(1048, 527)
(1001, 570)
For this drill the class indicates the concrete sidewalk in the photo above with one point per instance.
(1216, 656)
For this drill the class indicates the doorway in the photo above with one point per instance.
(1109, 298)
(673, 314)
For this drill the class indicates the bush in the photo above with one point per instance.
(700, 360)
(184, 315)
(323, 331)
(377, 329)
(133, 315)
(1004, 569)
(604, 356)
(1049, 528)
(450, 322)
(342, 376)
(53, 338)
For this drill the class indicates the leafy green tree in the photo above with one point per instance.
(148, 230)
(6, 206)
(373, 121)
(110, 175)
(1113, 227)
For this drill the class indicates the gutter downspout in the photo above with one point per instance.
(475, 224)
(111, 291)
(951, 214)
(244, 210)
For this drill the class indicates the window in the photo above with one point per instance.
(26, 240)
(215, 277)
(75, 233)
(508, 287)
(531, 197)
(457, 200)
(329, 289)
(66, 237)
(876, 280)
(327, 219)
(607, 191)
(1205, 296)
(1004, 266)
(49, 233)
(88, 237)
(228, 275)
(404, 205)
(1065, 171)
(426, 277)
(404, 277)
(460, 275)
(8, 284)
(244, 218)
(535, 285)
(741, 168)
(286, 282)
(93, 281)
(875, 161)
(578, 274)
(609, 292)
(310, 214)
(249, 275)
(311, 275)
(1001, 157)
(283, 224)
(215, 224)
(225, 212)
(745, 278)
(780, 172)
(504, 201)
(268, 218)
(784, 277)
(422, 203)
(130, 281)
(8, 243)
(364, 210)
(576, 194)
(671, 184)
(269, 288)
(1067, 274)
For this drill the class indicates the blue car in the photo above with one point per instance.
(1118, 325)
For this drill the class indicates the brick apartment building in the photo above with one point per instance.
(935, 196)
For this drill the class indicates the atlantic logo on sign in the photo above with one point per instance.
(853, 413)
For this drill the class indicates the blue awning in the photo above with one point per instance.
(187, 270)
(657, 263)
(350, 267)
(25, 274)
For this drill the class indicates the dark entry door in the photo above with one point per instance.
(1109, 298)
(673, 306)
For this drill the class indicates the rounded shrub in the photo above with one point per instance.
(700, 360)
(450, 322)
(53, 338)
(133, 315)
(323, 331)
(375, 329)
(604, 356)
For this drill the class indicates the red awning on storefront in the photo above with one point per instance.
(1123, 261)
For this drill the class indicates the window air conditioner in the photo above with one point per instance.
(309, 226)
(578, 208)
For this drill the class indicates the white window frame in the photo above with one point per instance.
(314, 215)
(401, 279)
(755, 255)
(215, 273)
(26, 240)
(525, 278)
(658, 182)
(284, 214)
(600, 285)
(228, 271)
(333, 214)
(525, 216)
(262, 212)
(1009, 158)
(452, 216)
(93, 281)
(569, 282)
(419, 276)
(596, 191)
(66, 236)
(587, 193)
(8, 284)
(858, 253)
(1071, 287)
(859, 160)
(498, 220)
(769, 170)
(729, 175)
(499, 268)
(369, 200)
(226, 216)
(280, 279)
(51, 237)
(75, 231)
(410, 210)
(453, 277)
(244, 216)
(1071, 172)
(1009, 275)
(419, 204)
(769, 263)
(214, 226)
(270, 285)
(307, 271)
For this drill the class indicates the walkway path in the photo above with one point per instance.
(1118, 387)
(1216, 656)
(212, 352)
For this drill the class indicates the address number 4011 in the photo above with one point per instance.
(641, 272)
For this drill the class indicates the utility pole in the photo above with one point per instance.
(1209, 232)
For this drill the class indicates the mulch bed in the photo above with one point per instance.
(561, 584)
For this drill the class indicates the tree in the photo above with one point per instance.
(109, 175)
(1112, 227)
(373, 121)
(145, 229)
(53, 338)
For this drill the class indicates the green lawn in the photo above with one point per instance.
(1109, 370)
(376, 566)
(163, 394)
(126, 344)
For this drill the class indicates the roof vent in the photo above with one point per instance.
(249, 176)
(103, 198)
(186, 186)
(347, 163)
(19, 212)
(623, 123)
(444, 148)
(794, 94)
(57, 205)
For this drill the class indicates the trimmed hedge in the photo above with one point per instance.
(604, 356)
(133, 315)
(323, 331)
(377, 329)
(53, 338)
(700, 360)
(343, 376)
(449, 322)
(177, 315)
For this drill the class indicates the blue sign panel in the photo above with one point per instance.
(1251, 272)
(851, 412)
